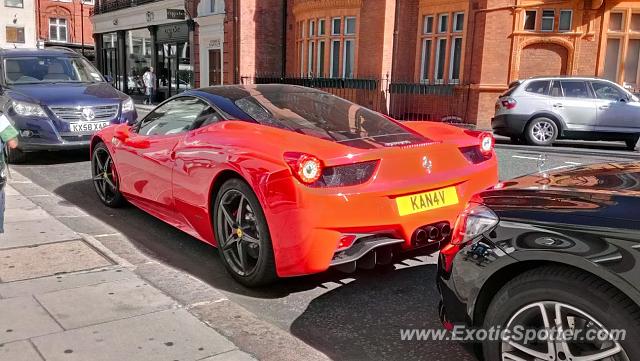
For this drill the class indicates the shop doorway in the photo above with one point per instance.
(110, 66)
(215, 67)
(174, 70)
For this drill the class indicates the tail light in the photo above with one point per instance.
(311, 171)
(475, 220)
(508, 103)
(487, 143)
(306, 168)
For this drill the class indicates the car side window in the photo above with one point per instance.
(538, 87)
(556, 89)
(575, 89)
(173, 117)
(607, 91)
(206, 117)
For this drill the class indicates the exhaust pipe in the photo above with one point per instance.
(445, 230)
(433, 233)
(421, 236)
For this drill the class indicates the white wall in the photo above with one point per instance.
(19, 17)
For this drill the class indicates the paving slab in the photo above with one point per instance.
(23, 317)
(122, 247)
(90, 305)
(235, 355)
(9, 191)
(20, 208)
(62, 282)
(87, 225)
(58, 207)
(47, 260)
(167, 335)
(18, 234)
(19, 351)
(17, 201)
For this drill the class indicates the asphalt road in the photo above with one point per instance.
(349, 317)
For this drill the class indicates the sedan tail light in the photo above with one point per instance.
(475, 220)
(508, 103)
(306, 168)
(311, 171)
(487, 143)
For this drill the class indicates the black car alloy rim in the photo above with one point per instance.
(239, 238)
(551, 315)
(104, 175)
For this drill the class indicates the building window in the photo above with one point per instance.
(15, 34)
(310, 58)
(616, 20)
(548, 20)
(335, 26)
(350, 26)
(320, 70)
(611, 59)
(14, 3)
(441, 53)
(566, 17)
(458, 22)
(635, 23)
(312, 28)
(443, 23)
(456, 59)
(321, 27)
(530, 20)
(58, 29)
(428, 25)
(349, 59)
(426, 60)
(335, 58)
(216, 6)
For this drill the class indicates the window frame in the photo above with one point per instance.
(320, 58)
(355, 25)
(535, 20)
(321, 28)
(344, 57)
(451, 59)
(425, 68)
(14, 7)
(58, 25)
(17, 28)
(437, 64)
(332, 64)
(424, 24)
(612, 85)
(560, 29)
(587, 86)
(138, 125)
(333, 26)
(446, 29)
(548, 87)
(454, 26)
(553, 21)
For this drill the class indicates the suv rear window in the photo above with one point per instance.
(512, 87)
(538, 87)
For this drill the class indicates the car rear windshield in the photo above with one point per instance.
(512, 87)
(49, 69)
(326, 116)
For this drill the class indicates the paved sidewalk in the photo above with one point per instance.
(65, 295)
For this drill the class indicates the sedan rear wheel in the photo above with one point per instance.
(105, 177)
(243, 236)
(567, 302)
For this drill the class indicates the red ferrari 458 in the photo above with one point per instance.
(288, 181)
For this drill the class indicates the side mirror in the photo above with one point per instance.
(122, 132)
(109, 79)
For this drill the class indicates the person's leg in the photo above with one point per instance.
(2, 211)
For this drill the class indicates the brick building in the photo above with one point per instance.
(66, 23)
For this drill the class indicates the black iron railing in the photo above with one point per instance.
(105, 6)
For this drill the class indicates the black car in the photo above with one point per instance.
(557, 251)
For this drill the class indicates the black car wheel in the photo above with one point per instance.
(16, 156)
(565, 299)
(243, 236)
(105, 177)
(541, 132)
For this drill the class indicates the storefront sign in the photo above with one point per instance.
(214, 44)
(175, 14)
(172, 32)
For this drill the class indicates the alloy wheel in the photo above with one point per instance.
(104, 175)
(543, 131)
(561, 317)
(240, 241)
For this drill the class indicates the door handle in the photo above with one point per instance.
(603, 107)
(558, 105)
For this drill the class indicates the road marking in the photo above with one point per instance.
(523, 157)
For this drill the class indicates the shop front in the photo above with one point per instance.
(131, 40)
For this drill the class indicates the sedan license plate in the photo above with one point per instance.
(87, 126)
(426, 201)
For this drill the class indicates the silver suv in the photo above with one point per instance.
(541, 110)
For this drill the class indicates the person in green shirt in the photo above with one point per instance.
(9, 138)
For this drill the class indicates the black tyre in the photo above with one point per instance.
(105, 177)
(243, 235)
(16, 156)
(541, 132)
(632, 142)
(535, 299)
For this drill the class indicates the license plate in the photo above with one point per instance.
(426, 201)
(88, 126)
